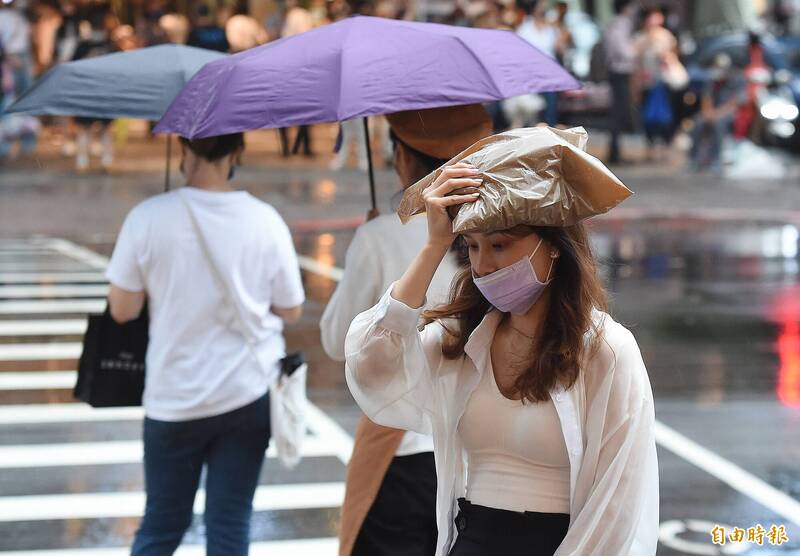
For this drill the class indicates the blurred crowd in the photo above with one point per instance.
(644, 70)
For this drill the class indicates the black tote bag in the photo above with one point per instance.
(112, 366)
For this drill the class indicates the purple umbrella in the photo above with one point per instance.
(360, 66)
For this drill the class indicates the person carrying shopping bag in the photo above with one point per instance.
(214, 350)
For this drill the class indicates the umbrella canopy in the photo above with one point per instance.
(134, 84)
(359, 66)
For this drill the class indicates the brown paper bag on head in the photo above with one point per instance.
(538, 176)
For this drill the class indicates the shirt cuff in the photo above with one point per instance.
(396, 316)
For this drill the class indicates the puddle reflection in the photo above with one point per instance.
(715, 304)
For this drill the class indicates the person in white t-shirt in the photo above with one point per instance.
(538, 31)
(390, 497)
(206, 397)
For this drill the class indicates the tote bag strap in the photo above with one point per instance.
(227, 294)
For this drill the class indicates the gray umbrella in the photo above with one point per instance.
(135, 84)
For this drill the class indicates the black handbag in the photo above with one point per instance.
(112, 365)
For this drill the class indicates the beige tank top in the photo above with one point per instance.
(517, 457)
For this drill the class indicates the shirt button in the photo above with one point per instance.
(558, 397)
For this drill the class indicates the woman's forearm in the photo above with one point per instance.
(413, 285)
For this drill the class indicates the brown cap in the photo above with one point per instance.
(538, 176)
(441, 132)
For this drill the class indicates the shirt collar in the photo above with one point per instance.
(479, 343)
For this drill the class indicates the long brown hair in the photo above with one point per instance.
(557, 353)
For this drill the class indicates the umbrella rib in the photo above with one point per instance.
(480, 62)
(341, 81)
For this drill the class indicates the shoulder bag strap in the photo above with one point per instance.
(223, 285)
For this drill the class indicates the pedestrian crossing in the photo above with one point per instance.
(49, 327)
(274, 548)
(71, 480)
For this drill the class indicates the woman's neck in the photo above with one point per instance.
(530, 323)
(208, 181)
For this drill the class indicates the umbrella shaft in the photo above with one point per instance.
(369, 166)
(169, 161)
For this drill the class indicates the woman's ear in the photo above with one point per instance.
(237, 156)
(184, 154)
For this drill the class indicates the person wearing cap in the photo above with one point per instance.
(390, 498)
(539, 403)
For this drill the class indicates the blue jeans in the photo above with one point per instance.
(707, 139)
(550, 113)
(232, 447)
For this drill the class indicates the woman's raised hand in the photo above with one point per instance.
(437, 200)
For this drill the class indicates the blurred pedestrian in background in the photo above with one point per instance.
(46, 21)
(656, 49)
(95, 40)
(67, 34)
(352, 138)
(176, 27)
(564, 40)
(244, 32)
(206, 31)
(298, 20)
(757, 77)
(538, 31)
(206, 397)
(148, 27)
(722, 94)
(390, 498)
(620, 55)
(16, 75)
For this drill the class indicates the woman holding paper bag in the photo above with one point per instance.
(538, 401)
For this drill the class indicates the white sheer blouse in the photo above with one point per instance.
(400, 379)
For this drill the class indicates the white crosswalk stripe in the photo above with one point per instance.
(47, 306)
(298, 547)
(37, 380)
(112, 452)
(88, 277)
(47, 286)
(39, 352)
(57, 290)
(65, 413)
(131, 504)
(54, 327)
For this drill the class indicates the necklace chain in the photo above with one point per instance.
(520, 332)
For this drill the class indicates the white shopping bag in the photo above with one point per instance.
(288, 402)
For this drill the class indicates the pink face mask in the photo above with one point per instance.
(515, 288)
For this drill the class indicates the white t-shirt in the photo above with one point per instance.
(198, 364)
(544, 38)
(381, 251)
(15, 31)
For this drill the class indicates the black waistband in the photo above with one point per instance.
(474, 515)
